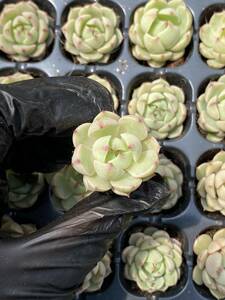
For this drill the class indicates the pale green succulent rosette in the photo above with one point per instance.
(92, 33)
(211, 110)
(24, 189)
(161, 31)
(67, 188)
(210, 268)
(114, 153)
(12, 229)
(94, 279)
(173, 177)
(25, 31)
(212, 40)
(108, 86)
(16, 77)
(153, 260)
(211, 183)
(162, 107)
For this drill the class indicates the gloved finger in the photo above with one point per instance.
(50, 107)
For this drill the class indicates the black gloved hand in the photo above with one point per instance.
(37, 119)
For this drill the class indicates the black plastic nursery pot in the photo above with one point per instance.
(187, 219)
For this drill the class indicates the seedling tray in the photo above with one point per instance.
(187, 219)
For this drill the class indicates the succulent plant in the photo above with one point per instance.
(92, 33)
(211, 110)
(10, 228)
(108, 86)
(114, 153)
(162, 107)
(211, 183)
(173, 177)
(212, 40)
(25, 31)
(67, 188)
(161, 31)
(15, 78)
(153, 260)
(210, 268)
(24, 189)
(95, 278)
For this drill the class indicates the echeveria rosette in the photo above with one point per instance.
(173, 177)
(210, 268)
(212, 40)
(12, 229)
(114, 153)
(25, 31)
(103, 81)
(211, 110)
(67, 188)
(161, 31)
(162, 107)
(24, 189)
(92, 33)
(95, 278)
(153, 260)
(16, 77)
(211, 183)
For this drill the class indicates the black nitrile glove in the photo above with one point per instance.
(37, 119)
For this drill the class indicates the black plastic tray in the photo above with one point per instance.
(187, 220)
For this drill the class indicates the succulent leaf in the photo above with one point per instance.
(12, 229)
(16, 77)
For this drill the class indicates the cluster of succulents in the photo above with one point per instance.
(103, 81)
(161, 31)
(16, 77)
(92, 33)
(212, 37)
(95, 278)
(210, 268)
(24, 189)
(162, 107)
(12, 229)
(211, 110)
(114, 153)
(25, 31)
(153, 260)
(67, 188)
(173, 177)
(211, 183)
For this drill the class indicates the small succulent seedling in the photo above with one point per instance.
(210, 268)
(95, 278)
(161, 31)
(25, 31)
(211, 110)
(153, 260)
(211, 183)
(108, 86)
(162, 107)
(212, 40)
(92, 33)
(114, 153)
